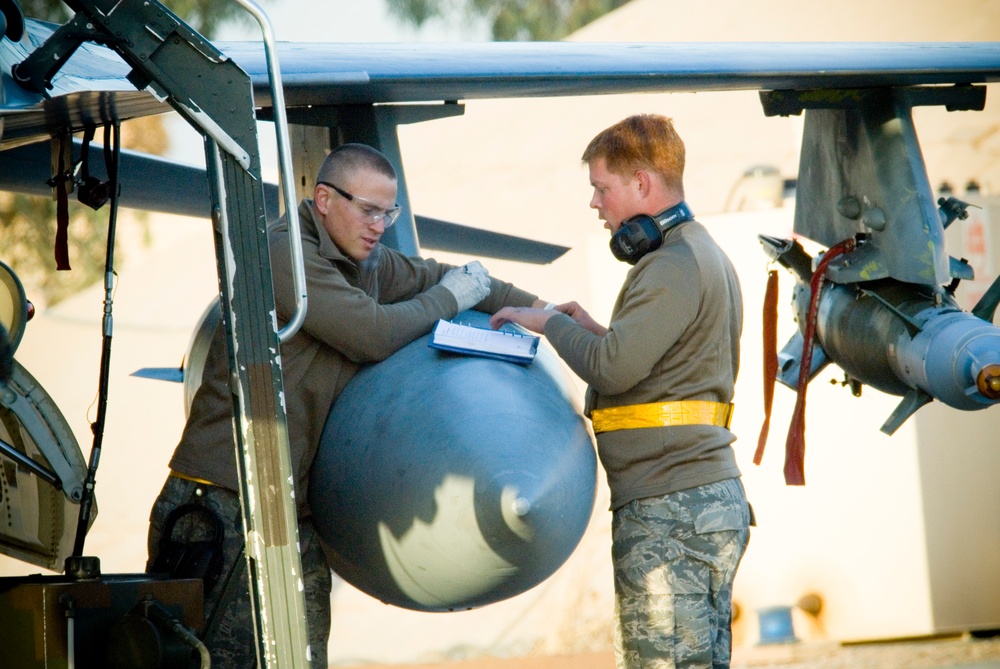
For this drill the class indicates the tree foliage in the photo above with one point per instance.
(508, 19)
(205, 16)
(28, 229)
(28, 223)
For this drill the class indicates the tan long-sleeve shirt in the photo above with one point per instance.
(674, 335)
(357, 313)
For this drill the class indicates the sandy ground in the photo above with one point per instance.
(963, 652)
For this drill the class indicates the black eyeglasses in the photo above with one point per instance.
(367, 208)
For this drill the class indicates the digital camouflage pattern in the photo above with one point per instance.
(230, 637)
(675, 557)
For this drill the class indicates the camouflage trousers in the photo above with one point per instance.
(675, 557)
(229, 629)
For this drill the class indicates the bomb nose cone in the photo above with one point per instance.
(514, 508)
(988, 381)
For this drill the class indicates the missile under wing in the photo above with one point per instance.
(879, 302)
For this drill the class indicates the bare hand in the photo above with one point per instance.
(527, 317)
(580, 315)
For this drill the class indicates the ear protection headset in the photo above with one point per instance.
(643, 233)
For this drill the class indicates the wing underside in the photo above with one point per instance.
(93, 89)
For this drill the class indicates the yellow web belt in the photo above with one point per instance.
(191, 478)
(686, 412)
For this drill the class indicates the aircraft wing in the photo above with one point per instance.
(330, 74)
(92, 87)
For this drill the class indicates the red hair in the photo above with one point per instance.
(643, 141)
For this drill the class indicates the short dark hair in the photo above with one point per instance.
(349, 158)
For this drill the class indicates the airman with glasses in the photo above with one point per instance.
(366, 301)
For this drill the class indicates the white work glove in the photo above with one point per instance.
(469, 284)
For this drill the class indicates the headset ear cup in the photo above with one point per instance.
(638, 236)
(641, 234)
(651, 233)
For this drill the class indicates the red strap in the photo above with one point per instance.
(61, 182)
(770, 335)
(795, 445)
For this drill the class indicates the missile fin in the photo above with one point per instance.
(959, 269)
(912, 401)
(175, 374)
(791, 356)
(986, 307)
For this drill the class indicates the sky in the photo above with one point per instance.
(312, 21)
(348, 21)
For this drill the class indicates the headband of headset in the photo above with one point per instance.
(643, 233)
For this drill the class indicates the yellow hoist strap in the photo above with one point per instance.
(686, 412)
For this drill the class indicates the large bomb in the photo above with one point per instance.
(447, 482)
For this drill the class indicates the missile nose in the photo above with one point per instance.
(988, 381)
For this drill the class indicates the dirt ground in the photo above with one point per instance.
(964, 652)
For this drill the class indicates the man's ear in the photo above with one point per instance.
(645, 182)
(321, 199)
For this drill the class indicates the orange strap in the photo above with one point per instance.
(795, 445)
(770, 336)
